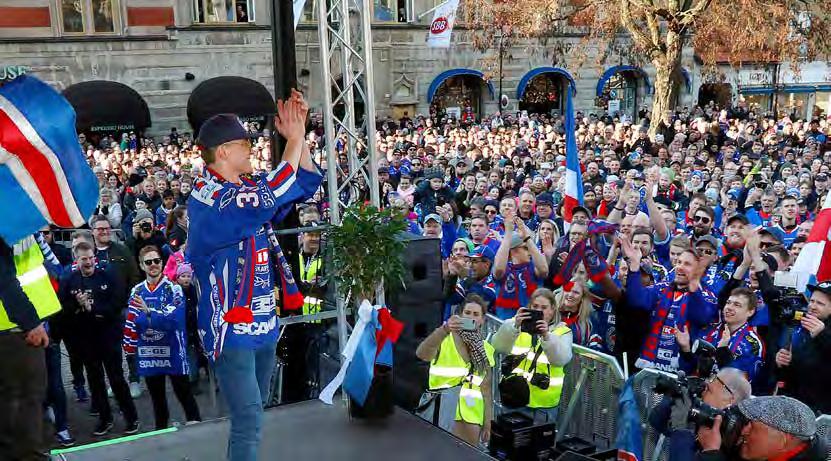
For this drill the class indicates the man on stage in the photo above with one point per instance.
(231, 213)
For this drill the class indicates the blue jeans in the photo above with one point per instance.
(55, 395)
(244, 377)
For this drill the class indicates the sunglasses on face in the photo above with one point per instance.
(702, 219)
(152, 262)
(490, 211)
(706, 251)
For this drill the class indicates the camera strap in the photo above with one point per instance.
(533, 368)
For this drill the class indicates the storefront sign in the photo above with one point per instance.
(12, 72)
(614, 106)
(110, 128)
(754, 76)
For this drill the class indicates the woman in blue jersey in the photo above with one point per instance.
(155, 332)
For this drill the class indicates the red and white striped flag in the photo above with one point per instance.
(815, 257)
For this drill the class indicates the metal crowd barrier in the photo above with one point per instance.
(589, 401)
(64, 236)
(654, 446)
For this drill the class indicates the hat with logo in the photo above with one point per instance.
(219, 129)
(482, 251)
(433, 217)
(822, 287)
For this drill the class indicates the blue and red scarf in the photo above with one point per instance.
(292, 298)
(587, 253)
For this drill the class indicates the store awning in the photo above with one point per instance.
(526, 79)
(756, 90)
(610, 72)
(436, 83)
(247, 98)
(105, 106)
(799, 89)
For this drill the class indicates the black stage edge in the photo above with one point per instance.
(301, 431)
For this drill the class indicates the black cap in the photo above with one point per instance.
(545, 199)
(822, 177)
(740, 217)
(219, 129)
(583, 209)
(822, 287)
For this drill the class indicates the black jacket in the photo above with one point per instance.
(102, 326)
(157, 239)
(177, 237)
(808, 377)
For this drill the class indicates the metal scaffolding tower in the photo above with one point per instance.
(344, 29)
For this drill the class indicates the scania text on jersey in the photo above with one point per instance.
(255, 328)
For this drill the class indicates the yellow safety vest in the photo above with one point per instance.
(311, 304)
(33, 278)
(450, 370)
(540, 398)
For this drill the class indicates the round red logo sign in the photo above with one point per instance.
(439, 25)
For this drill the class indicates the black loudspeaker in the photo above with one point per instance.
(419, 305)
(572, 456)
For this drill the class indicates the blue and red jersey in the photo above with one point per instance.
(158, 338)
(514, 289)
(229, 248)
(671, 308)
(745, 345)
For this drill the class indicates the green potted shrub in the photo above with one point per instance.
(365, 252)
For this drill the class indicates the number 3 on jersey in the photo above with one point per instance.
(245, 199)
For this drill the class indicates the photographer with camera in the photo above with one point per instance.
(144, 234)
(538, 346)
(772, 428)
(459, 396)
(678, 416)
(802, 362)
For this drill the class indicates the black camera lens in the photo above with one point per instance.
(146, 227)
(540, 380)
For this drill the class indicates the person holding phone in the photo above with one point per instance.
(459, 395)
(544, 343)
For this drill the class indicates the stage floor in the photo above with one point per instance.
(300, 431)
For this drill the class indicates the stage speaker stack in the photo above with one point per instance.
(514, 437)
(419, 305)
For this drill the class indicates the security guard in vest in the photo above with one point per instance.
(312, 283)
(549, 350)
(300, 344)
(26, 299)
(461, 367)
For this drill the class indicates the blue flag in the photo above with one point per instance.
(361, 370)
(44, 177)
(629, 441)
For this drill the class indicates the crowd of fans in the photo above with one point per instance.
(677, 239)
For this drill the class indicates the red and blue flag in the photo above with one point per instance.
(44, 178)
(574, 178)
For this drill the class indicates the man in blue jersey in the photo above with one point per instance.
(230, 213)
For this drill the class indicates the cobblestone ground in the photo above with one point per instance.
(81, 423)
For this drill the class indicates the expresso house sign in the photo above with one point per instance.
(12, 72)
